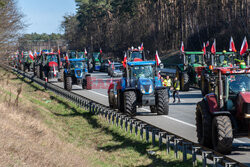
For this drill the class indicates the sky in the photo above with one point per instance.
(45, 16)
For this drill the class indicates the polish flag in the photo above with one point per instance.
(59, 52)
(141, 49)
(31, 55)
(85, 51)
(182, 47)
(22, 53)
(244, 46)
(157, 58)
(125, 60)
(207, 45)
(35, 53)
(204, 48)
(213, 48)
(232, 45)
(113, 66)
(109, 61)
(100, 50)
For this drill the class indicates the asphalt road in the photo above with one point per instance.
(181, 118)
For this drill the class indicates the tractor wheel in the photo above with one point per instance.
(84, 84)
(38, 72)
(111, 105)
(130, 103)
(184, 81)
(222, 134)
(120, 101)
(61, 75)
(162, 102)
(68, 83)
(203, 124)
(153, 109)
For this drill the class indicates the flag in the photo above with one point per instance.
(59, 52)
(113, 66)
(204, 48)
(31, 55)
(35, 53)
(85, 51)
(125, 60)
(244, 46)
(213, 48)
(182, 47)
(22, 53)
(109, 61)
(141, 49)
(207, 45)
(232, 46)
(100, 50)
(54, 70)
(157, 58)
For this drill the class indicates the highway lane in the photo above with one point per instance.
(181, 118)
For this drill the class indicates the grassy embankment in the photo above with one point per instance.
(43, 129)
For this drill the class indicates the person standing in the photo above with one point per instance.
(168, 83)
(176, 89)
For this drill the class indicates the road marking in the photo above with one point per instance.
(97, 93)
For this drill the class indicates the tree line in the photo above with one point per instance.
(114, 25)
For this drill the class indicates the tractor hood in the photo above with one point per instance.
(243, 104)
(244, 97)
(53, 64)
(145, 85)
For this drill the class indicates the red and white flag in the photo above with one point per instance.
(109, 61)
(141, 49)
(157, 58)
(204, 48)
(22, 53)
(244, 46)
(213, 48)
(59, 52)
(85, 51)
(54, 70)
(232, 45)
(35, 53)
(113, 66)
(182, 47)
(125, 60)
(207, 44)
(31, 55)
(100, 50)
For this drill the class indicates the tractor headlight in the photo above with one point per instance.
(142, 89)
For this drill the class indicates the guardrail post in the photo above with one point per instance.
(142, 130)
(113, 118)
(117, 119)
(154, 131)
(147, 133)
(161, 134)
(184, 150)
(109, 116)
(230, 164)
(176, 144)
(216, 161)
(136, 127)
(168, 139)
(205, 154)
(121, 121)
(90, 107)
(93, 109)
(131, 125)
(194, 153)
(126, 124)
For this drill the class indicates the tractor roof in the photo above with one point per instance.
(75, 60)
(194, 53)
(141, 63)
(232, 70)
(226, 53)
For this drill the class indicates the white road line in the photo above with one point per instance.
(97, 93)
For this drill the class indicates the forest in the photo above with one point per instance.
(115, 25)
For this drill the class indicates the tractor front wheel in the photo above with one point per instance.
(203, 124)
(130, 103)
(162, 102)
(222, 134)
(68, 84)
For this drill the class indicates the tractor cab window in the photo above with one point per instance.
(195, 59)
(221, 60)
(96, 55)
(238, 83)
(76, 65)
(72, 55)
(81, 55)
(136, 55)
(51, 58)
(142, 72)
(117, 67)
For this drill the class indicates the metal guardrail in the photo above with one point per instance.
(165, 138)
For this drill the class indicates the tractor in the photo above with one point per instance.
(134, 54)
(220, 59)
(189, 72)
(139, 86)
(26, 62)
(47, 66)
(76, 73)
(225, 114)
(94, 62)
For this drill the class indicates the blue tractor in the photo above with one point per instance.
(76, 73)
(139, 86)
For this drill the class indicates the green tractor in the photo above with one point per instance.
(94, 62)
(27, 62)
(189, 72)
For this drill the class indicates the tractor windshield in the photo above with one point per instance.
(136, 55)
(142, 72)
(195, 59)
(239, 83)
(81, 55)
(221, 60)
(51, 58)
(96, 56)
(76, 65)
(72, 55)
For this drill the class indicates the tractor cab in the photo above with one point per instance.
(72, 54)
(136, 55)
(81, 55)
(229, 106)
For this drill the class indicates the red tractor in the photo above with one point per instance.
(225, 114)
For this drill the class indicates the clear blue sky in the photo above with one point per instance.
(45, 16)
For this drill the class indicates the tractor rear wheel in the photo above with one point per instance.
(184, 81)
(111, 105)
(203, 124)
(162, 102)
(222, 134)
(61, 75)
(130, 103)
(68, 84)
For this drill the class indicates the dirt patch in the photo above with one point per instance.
(26, 141)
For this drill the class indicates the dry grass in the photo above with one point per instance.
(26, 141)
